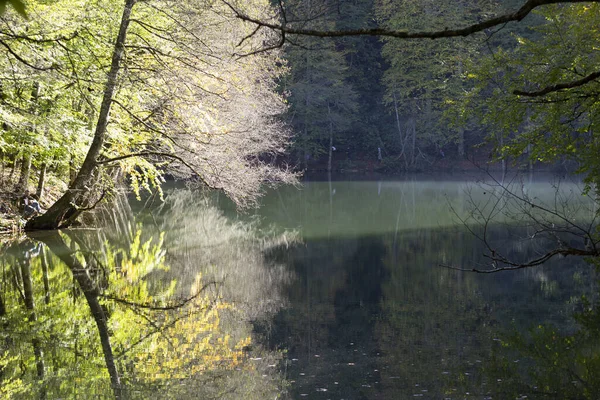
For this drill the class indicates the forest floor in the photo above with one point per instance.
(11, 217)
(11, 222)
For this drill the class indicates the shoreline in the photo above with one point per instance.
(12, 223)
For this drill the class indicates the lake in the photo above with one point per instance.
(335, 290)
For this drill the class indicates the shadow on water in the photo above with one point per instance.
(372, 315)
(334, 291)
(367, 319)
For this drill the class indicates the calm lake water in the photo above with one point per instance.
(335, 290)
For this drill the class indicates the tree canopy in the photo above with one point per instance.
(147, 89)
(212, 91)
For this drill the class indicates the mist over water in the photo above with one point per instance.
(331, 291)
(372, 314)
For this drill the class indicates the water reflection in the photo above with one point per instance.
(372, 315)
(546, 363)
(187, 300)
(106, 315)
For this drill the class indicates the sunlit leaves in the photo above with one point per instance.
(181, 90)
(48, 83)
(558, 126)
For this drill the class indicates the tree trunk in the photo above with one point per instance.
(530, 159)
(461, 131)
(306, 104)
(330, 141)
(413, 149)
(91, 292)
(41, 182)
(461, 143)
(330, 225)
(23, 183)
(503, 159)
(30, 306)
(11, 177)
(2, 307)
(330, 152)
(399, 126)
(45, 277)
(305, 147)
(69, 206)
(72, 170)
(2, 169)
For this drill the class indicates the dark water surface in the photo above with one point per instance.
(334, 291)
(371, 313)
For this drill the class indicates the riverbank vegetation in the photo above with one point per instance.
(97, 93)
(224, 95)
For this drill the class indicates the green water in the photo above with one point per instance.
(334, 290)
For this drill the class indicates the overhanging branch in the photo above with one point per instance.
(516, 16)
(159, 154)
(22, 60)
(552, 222)
(511, 266)
(559, 86)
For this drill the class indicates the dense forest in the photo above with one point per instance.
(233, 95)
(180, 296)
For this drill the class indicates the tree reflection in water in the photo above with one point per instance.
(109, 313)
(371, 313)
(547, 362)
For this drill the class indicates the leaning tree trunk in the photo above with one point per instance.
(71, 204)
(90, 290)
(30, 306)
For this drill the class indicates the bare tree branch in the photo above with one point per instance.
(40, 41)
(511, 266)
(516, 16)
(23, 61)
(553, 223)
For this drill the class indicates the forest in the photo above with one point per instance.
(97, 95)
(172, 137)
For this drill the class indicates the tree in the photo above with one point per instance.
(538, 96)
(322, 100)
(181, 102)
(423, 76)
(372, 128)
